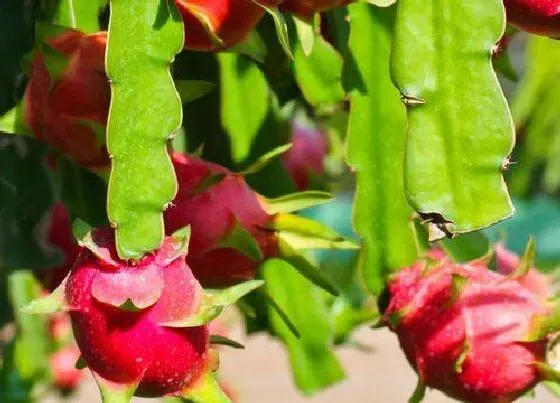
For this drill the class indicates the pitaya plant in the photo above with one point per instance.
(536, 16)
(104, 103)
(141, 326)
(472, 333)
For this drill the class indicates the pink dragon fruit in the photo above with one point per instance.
(63, 109)
(212, 25)
(141, 326)
(537, 16)
(472, 333)
(130, 346)
(306, 158)
(59, 235)
(62, 363)
(216, 212)
(307, 8)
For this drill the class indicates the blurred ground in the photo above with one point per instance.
(261, 375)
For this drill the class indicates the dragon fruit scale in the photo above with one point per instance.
(474, 334)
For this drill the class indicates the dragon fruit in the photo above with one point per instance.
(214, 25)
(536, 16)
(59, 235)
(68, 96)
(472, 333)
(307, 8)
(62, 363)
(219, 205)
(306, 158)
(141, 326)
(533, 280)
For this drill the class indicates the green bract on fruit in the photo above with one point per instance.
(67, 99)
(306, 8)
(537, 16)
(213, 25)
(468, 331)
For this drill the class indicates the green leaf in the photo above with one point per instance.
(296, 201)
(272, 304)
(281, 29)
(319, 73)
(205, 390)
(79, 14)
(244, 103)
(13, 122)
(303, 233)
(242, 240)
(376, 138)
(225, 341)
(252, 46)
(145, 112)
(265, 159)
(26, 196)
(52, 303)
(306, 268)
(306, 34)
(190, 90)
(535, 110)
(460, 131)
(213, 302)
(468, 247)
(313, 363)
(503, 65)
(31, 339)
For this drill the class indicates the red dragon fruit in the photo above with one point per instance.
(217, 213)
(306, 158)
(59, 235)
(472, 333)
(536, 16)
(141, 326)
(307, 8)
(63, 108)
(213, 25)
(62, 363)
